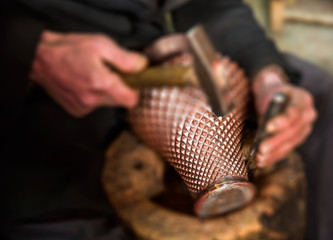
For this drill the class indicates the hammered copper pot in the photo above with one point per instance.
(203, 148)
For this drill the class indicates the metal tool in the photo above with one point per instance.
(277, 106)
(204, 56)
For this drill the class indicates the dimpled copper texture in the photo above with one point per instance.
(204, 149)
(207, 148)
(237, 93)
(161, 110)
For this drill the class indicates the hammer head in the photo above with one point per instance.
(204, 57)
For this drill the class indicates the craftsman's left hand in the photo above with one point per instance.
(287, 130)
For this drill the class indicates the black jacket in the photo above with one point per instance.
(51, 162)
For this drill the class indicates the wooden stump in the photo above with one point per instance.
(134, 174)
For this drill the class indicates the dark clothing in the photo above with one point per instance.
(51, 162)
(317, 151)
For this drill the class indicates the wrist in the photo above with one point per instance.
(46, 40)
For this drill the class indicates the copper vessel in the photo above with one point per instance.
(203, 148)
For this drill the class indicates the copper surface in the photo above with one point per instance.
(166, 47)
(203, 148)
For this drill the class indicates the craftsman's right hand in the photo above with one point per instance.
(72, 70)
(289, 129)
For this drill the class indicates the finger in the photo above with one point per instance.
(301, 98)
(233, 69)
(290, 132)
(300, 107)
(286, 148)
(116, 92)
(289, 135)
(279, 145)
(283, 120)
(75, 109)
(72, 105)
(69, 101)
(122, 59)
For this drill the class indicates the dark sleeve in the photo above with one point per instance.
(19, 38)
(234, 32)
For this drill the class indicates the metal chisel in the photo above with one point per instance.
(277, 106)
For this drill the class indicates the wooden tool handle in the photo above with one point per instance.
(161, 76)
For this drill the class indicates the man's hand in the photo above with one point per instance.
(72, 70)
(289, 129)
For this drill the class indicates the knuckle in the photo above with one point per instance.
(281, 121)
(109, 83)
(126, 60)
(89, 102)
(102, 83)
(96, 83)
(310, 115)
(100, 39)
(91, 47)
(308, 99)
(96, 43)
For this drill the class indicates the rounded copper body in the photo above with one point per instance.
(203, 148)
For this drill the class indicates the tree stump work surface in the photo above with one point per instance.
(154, 204)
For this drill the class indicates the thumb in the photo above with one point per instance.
(124, 60)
